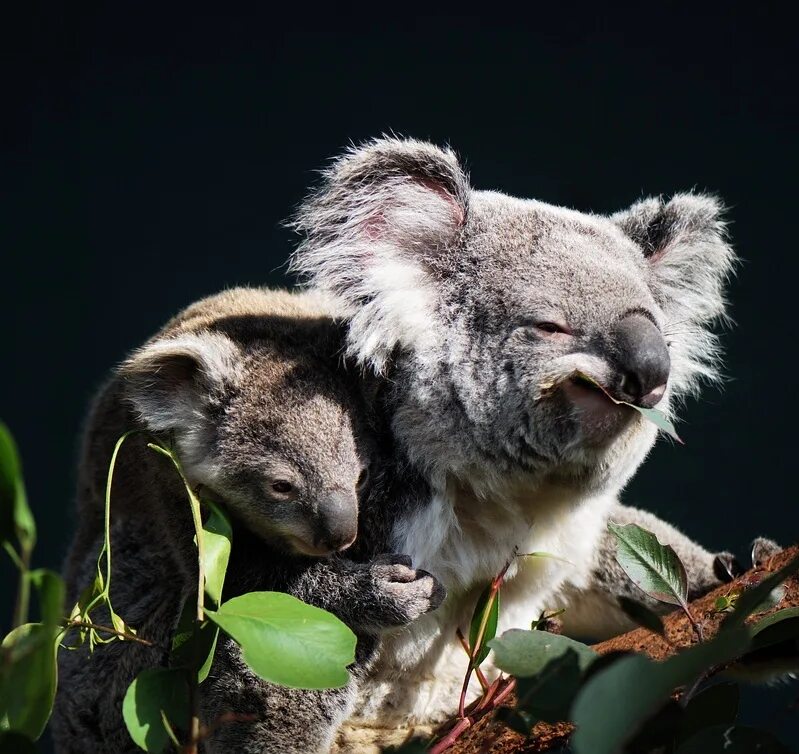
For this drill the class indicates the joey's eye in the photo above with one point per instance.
(552, 328)
(363, 477)
(282, 487)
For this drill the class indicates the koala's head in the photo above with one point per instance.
(265, 427)
(491, 307)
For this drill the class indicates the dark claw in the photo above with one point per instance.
(726, 567)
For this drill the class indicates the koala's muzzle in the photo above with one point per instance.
(337, 521)
(642, 358)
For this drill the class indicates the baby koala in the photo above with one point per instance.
(249, 388)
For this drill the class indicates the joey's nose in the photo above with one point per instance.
(643, 360)
(337, 520)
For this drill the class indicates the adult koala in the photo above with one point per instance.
(479, 309)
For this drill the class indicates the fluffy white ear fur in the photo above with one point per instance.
(373, 230)
(690, 260)
(171, 381)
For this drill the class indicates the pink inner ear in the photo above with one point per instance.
(457, 211)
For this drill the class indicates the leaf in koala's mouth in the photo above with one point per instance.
(657, 417)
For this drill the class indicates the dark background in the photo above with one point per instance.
(155, 153)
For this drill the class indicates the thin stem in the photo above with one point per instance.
(479, 673)
(696, 626)
(194, 504)
(22, 604)
(72, 623)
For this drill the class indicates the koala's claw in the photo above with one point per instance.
(726, 567)
(763, 549)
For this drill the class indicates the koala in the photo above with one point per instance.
(249, 388)
(484, 314)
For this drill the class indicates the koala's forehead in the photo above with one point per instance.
(292, 406)
(525, 254)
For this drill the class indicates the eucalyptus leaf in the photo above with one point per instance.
(548, 695)
(154, 692)
(727, 739)
(656, 416)
(192, 646)
(28, 678)
(776, 628)
(16, 519)
(285, 641)
(641, 615)
(715, 705)
(525, 654)
(51, 592)
(613, 704)
(483, 627)
(217, 537)
(14, 742)
(652, 567)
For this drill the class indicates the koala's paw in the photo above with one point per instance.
(763, 549)
(404, 593)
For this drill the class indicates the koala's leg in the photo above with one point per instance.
(250, 716)
(592, 609)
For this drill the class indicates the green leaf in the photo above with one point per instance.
(656, 416)
(28, 678)
(652, 567)
(727, 739)
(288, 642)
(614, 703)
(641, 615)
(525, 654)
(484, 625)
(51, 591)
(217, 536)
(548, 695)
(750, 600)
(716, 705)
(776, 628)
(14, 742)
(16, 519)
(193, 647)
(153, 692)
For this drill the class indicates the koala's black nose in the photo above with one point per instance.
(643, 359)
(338, 520)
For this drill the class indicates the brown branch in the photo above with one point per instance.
(488, 736)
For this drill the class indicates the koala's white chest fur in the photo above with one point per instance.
(465, 544)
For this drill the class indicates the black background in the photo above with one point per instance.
(153, 155)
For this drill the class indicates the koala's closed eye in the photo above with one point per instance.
(282, 487)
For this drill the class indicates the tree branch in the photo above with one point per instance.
(489, 736)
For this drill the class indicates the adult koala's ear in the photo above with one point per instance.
(690, 259)
(173, 383)
(384, 215)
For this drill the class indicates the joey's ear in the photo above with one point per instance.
(685, 243)
(173, 383)
(374, 232)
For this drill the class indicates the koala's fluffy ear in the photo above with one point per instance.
(385, 213)
(173, 382)
(690, 259)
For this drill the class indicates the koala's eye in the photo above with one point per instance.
(552, 328)
(363, 478)
(282, 487)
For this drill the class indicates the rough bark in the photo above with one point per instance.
(488, 736)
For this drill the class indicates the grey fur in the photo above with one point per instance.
(249, 387)
(479, 308)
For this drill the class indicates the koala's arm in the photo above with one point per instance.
(368, 597)
(592, 608)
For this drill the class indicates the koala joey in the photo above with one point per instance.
(249, 388)
(482, 312)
